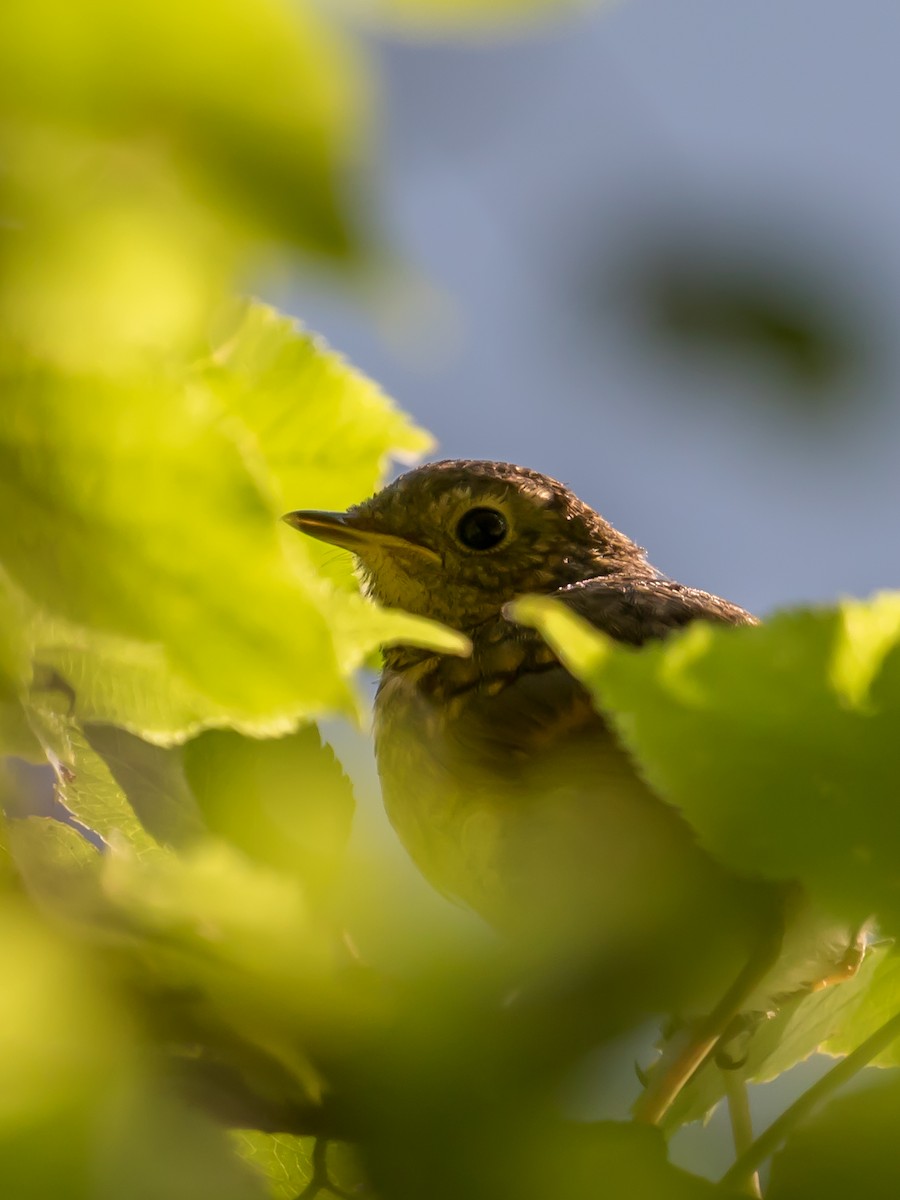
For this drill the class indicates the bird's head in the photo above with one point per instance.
(455, 540)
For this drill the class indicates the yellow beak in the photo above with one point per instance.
(342, 529)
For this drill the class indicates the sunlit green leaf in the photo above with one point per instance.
(778, 743)
(52, 1051)
(283, 1160)
(321, 430)
(260, 103)
(143, 529)
(833, 1019)
(290, 1164)
(141, 519)
(877, 1004)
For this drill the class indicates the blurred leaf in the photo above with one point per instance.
(778, 743)
(16, 734)
(61, 1038)
(143, 529)
(473, 18)
(750, 309)
(623, 1159)
(286, 802)
(153, 1147)
(104, 260)
(258, 103)
(49, 854)
(850, 1148)
(79, 1116)
(237, 955)
(116, 679)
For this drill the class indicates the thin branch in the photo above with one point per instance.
(741, 1125)
(769, 1141)
(668, 1079)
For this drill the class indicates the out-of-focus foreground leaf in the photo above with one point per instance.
(471, 18)
(16, 735)
(851, 1146)
(143, 534)
(146, 148)
(80, 1113)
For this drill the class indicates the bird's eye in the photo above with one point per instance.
(481, 528)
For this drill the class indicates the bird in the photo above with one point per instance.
(508, 787)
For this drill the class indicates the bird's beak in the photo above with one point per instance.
(346, 531)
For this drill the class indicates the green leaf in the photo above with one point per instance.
(286, 802)
(235, 949)
(849, 1148)
(166, 1150)
(85, 788)
(834, 1020)
(151, 527)
(143, 530)
(263, 118)
(778, 743)
(16, 734)
(878, 1002)
(321, 430)
(291, 1164)
(285, 1161)
(153, 781)
(629, 1159)
(472, 18)
(52, 1053)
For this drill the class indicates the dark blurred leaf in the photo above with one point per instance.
(753, 309)
(849, 1149)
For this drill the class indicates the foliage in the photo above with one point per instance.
(210, 990)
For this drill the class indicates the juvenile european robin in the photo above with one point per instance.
(503, 781)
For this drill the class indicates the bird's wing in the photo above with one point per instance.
(638, 609)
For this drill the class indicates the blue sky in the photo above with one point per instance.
(517, 178)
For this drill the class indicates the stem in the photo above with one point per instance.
(668, 1080)
(769, 1141)
(741, 1126)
